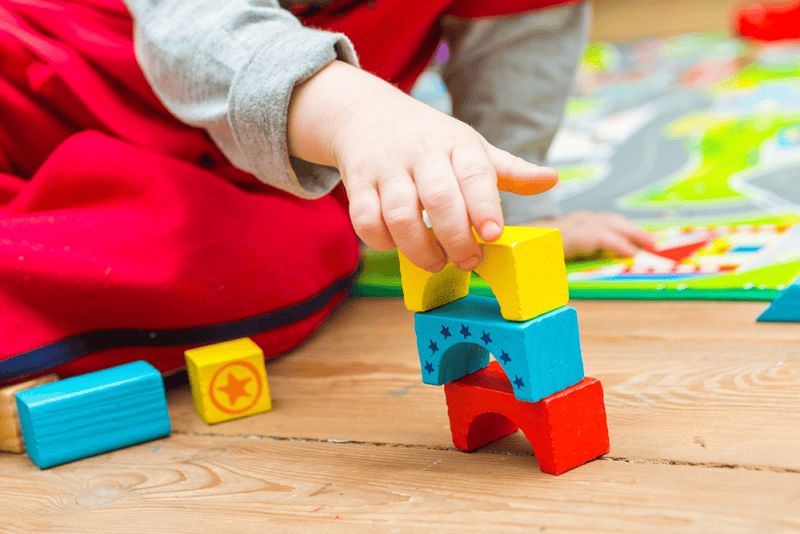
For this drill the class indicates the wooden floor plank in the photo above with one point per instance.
(681, 320)
(690, 400)
(205, 484)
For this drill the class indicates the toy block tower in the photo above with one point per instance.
(537, 382)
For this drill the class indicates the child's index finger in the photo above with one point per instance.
(528, 185)
(515, 175)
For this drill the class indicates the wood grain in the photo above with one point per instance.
(214, 484)
(669, 396)
(711, 321)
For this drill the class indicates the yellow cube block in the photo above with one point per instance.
(228, 380)
(524, 268)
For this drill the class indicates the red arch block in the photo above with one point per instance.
(566, 429)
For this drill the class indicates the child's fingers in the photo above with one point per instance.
(443, 201)
(631, 230)
(516, 175)
(611, 240)
(365, 213)
(478, 183)
(403, 217)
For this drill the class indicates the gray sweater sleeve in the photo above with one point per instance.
(230, 67)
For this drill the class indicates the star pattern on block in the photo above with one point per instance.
(465, 331)
(485, 338)
(445, 331)
(235, 388)
(434, 347)
(519, 383)
(429, 367)
(504, 357)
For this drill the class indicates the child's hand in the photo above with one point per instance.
(398, 156)
(587, 233)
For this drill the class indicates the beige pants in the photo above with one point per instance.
(509, 78)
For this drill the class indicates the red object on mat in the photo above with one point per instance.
(118, 222)
(768, 22)
(566, 429)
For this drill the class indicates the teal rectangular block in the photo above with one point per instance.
(541, 356)
(94, 413)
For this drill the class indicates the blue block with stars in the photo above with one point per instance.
(541, 356)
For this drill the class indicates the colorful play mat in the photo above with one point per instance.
(698, 138)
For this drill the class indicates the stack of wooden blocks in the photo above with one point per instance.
(536, 382)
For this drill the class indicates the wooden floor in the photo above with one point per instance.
(703, 406)
(703, 414)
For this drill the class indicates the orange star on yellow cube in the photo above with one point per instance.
(228, 380)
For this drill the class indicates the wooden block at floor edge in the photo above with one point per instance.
(94, 413)
(565, 430)
(785, 308)
(11, 439)
(541, 356)
(228, 380)
(524, 268)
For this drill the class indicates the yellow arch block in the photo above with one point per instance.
(524, 268)
(423, 290)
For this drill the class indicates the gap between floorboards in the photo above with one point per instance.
(606, 458)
